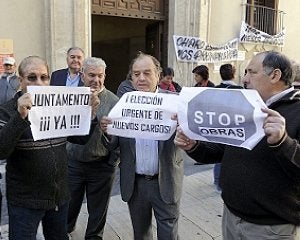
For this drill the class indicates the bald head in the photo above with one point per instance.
(30, 60)
(33, 71)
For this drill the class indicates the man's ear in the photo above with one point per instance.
(20, 79)
(21, 86)
(82, 76)
(276, 75)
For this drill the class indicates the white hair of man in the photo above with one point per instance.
(93, 61)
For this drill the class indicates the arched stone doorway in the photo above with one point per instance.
(121, 28)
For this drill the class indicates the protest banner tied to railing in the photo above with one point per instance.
(193, 49)
(249, 34)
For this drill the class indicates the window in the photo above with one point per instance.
(264, 16)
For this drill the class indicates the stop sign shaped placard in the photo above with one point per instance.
(221, 115)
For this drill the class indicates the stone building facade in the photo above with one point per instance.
(117, 29)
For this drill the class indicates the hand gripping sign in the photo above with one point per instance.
(228, 116)
(59, 111)
(144, 115)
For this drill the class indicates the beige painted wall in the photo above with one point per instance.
(184, 20)
(49, 27)
(69, 24)
(225, 21)
(224, 25)
(218, 22)
(24, 22)
(291, 21)
(46, 28)
(211, 20)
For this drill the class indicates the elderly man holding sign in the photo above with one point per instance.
(151, 170)
(91, 166)
(261, 187)
(36, 170)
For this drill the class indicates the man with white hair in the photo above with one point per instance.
(151, 171)
(91, 166)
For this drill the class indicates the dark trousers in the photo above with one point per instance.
(95, 179)
(0, 208)
(217, 171)
(24, 222)
(146, 198)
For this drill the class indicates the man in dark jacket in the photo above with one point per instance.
(9, 83)
(261, 187)
(36, 170)
(151, 172)
(227, 72)
(70, 76)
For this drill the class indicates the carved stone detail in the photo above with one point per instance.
(149, 9)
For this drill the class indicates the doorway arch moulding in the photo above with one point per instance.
(145, 9)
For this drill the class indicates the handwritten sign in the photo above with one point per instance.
(193, 49)
(249, 34)
(144, 115)
(228, 116)
(59, 111)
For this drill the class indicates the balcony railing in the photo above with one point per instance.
(265, 19)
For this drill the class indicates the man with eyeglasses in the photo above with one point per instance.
(261, 187)
(9, 83)
(37, 189)
(70, 76)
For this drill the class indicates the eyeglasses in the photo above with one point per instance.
(34, 78)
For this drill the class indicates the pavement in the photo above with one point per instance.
(200, 217)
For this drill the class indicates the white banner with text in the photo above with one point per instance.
(59, 111)
(144, 115)
(228, 116)
(193, 49)
(249, 34)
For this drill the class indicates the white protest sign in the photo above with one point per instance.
(144, 115)
(228, 116)
(193, 49)
(59, 111)
(249, 34)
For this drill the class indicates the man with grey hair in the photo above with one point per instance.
(92, 167)
(70, 76)
(261, 187)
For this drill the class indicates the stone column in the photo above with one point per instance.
(68, 23)
(187, 18)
